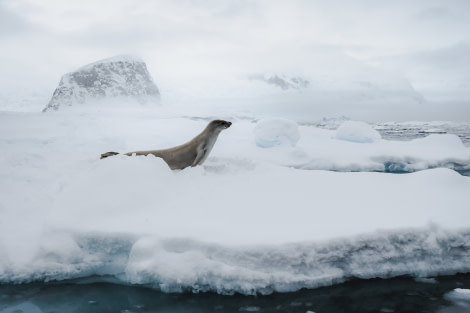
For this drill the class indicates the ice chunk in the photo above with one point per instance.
(272, 132)
(356, 131)
(459, 294)
(249, 309)
(460, 298)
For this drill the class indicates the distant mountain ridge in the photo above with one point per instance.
(120, 76)
(282, 81)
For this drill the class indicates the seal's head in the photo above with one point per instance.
(220, 124)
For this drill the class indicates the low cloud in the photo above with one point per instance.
(184, 41)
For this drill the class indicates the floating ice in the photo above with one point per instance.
(460, 293)
(270, 132)
(250, 220)
(186, 265)
(460, 298)
(356, 131)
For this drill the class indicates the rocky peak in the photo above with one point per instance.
(120, 76)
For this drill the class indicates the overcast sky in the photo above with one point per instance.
(427, 41)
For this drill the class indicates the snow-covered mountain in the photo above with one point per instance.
(121, 76)
(282, 81)
(334, 85)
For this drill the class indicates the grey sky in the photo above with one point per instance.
(427, 42)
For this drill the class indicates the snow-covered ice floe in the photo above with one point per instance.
(251, 220)
(186, 265)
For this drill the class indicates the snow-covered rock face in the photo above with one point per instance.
(121, 76)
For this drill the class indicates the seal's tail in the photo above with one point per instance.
(108, 154)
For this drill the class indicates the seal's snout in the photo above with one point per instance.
(220, 124)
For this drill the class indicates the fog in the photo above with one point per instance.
(206, 46)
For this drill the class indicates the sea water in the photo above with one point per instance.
(401, 294)
(412, 130)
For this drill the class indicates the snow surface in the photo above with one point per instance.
(272, 132)
(357, 132)
(250, 220)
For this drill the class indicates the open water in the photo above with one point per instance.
(408, 131)
(401, 294)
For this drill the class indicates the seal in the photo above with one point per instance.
(192, 153)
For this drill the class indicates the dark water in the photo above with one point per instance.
(402, 294)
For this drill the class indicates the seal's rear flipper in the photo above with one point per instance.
(107, 154)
